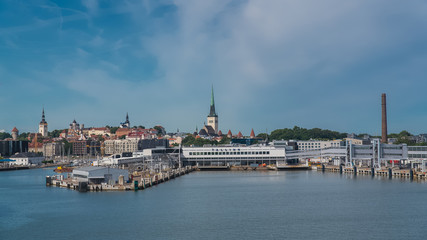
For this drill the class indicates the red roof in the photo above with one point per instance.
(252, 133)
(15, 129)
(220, 133)
(239, 135)
(229, 133)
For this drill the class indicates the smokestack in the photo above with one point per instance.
(384, 118)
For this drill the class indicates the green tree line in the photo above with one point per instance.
(298, 133)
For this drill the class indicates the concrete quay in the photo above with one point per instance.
(387, 172)
(140, 181)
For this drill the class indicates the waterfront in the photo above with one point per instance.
(218, 205)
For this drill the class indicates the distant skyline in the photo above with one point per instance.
(273, 64)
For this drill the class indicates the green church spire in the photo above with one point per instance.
(212, 112)
(212, 98)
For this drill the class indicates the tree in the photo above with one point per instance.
(298, 133)
(100, 138)
(54, 133)
(113, 130)
(225, 140)
(262, 135)
(4, 135)
(23, 136)
(160, 130)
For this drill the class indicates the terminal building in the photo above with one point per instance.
(97, 175)
(232, 155)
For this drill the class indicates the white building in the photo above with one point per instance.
(122, 145)
(26, 159)
(316, 144)
(233, 155)
(100, 174)
(99, 131)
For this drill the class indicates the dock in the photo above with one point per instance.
(140, 181)
(386, 172)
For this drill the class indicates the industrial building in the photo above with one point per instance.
(27, 159)
(99, 175)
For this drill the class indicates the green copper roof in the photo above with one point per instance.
(212, 112)
(212, 98)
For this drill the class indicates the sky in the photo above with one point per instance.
(273, 64)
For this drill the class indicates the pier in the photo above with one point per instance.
(138, 181)
(411, 173)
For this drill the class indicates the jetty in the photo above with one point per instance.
(411, 173)
(139, 180)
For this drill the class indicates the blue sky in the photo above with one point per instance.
(273, 64)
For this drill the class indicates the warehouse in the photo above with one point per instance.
(99, 175)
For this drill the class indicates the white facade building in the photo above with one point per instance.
(100, 174)
(121, 146)
(26, 159)
(316, 144)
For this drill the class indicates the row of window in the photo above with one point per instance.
(237, 158)
(417, 155)
(230, 153)
(417, 148)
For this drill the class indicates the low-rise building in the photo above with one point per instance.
(27, 159)
(132, 145)
(99, 131)
(357, 141)
(316, 144)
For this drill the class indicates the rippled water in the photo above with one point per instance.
(218, 205)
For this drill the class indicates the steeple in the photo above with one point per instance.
(212, 112)
(43, 125)
(43, 117)
(127, 118)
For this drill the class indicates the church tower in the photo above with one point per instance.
(213, 117)
(43, 126)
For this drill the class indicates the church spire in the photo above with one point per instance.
(127, 117)
(43, 117)
(212, 112)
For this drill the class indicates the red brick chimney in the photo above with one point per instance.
(384, 119)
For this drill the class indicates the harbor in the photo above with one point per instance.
(309, 203)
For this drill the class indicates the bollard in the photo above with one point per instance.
(355, 170)
(372, 172)
(323, 167)
(340, 169)
(411, 174)
(390, 173)
(135, 185)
